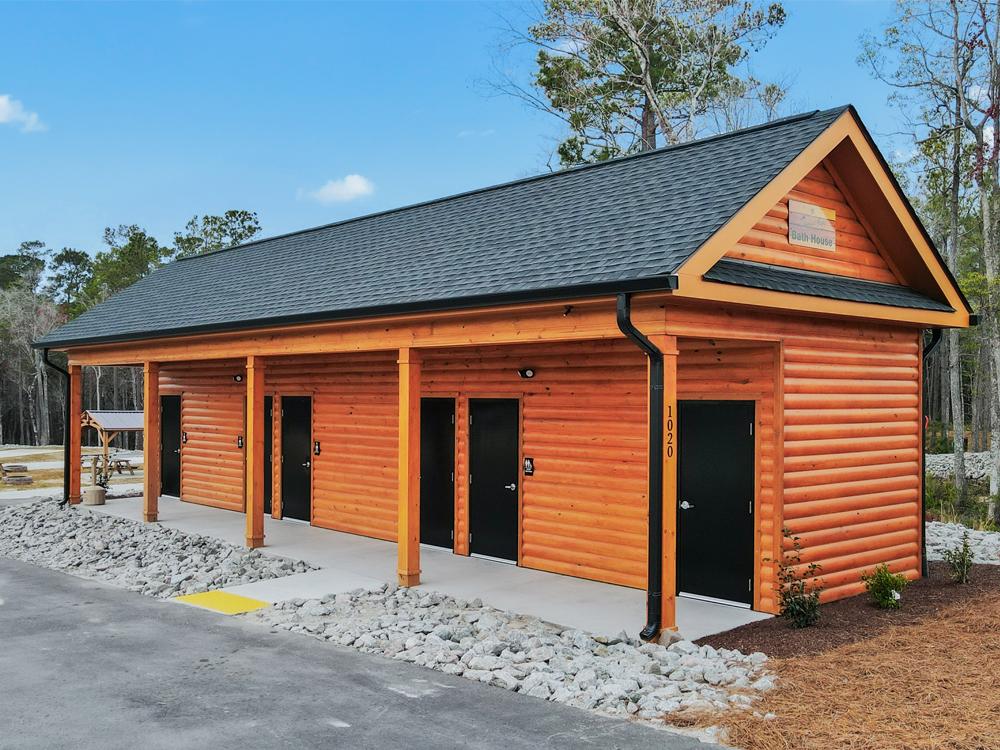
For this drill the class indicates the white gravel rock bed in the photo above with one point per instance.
(942, 465)
(148, 558)
(944, 536)
(616, 676)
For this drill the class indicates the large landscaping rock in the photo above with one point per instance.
(942, 465)
(145, 557)
(618, 676)
(985, 545)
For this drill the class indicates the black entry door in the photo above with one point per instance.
(493, 477)
(268, 451)
(170, 445)
(715, 493)
(296, 457)
(437, 471)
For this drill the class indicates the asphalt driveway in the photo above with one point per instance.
(85, 665)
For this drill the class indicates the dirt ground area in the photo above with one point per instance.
(925, 677)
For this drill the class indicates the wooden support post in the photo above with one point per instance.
(668, 602)
(408, 526)
(276, 457)
(74, 431)
(151, 440)
(254, 452)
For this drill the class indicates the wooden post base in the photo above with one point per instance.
(74, 499)
(409, 579)
(149, 517)
(255, 542)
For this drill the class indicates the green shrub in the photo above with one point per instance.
(885, 587)
(960, 560)
(799, 604)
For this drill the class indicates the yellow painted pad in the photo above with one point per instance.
(223, 601)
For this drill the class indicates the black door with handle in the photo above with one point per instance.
(268, 452)
(437, 471)
(170, 445)
(296, 457)
(715, 494)
(493, 477)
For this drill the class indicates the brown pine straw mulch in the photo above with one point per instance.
(931, 683)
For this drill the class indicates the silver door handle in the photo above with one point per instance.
(685, 505)
(307, 464)
(512, 486)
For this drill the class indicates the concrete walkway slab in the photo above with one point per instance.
(348, 561)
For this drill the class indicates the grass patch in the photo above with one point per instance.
(943, 505)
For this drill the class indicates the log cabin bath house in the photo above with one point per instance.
(638, 371)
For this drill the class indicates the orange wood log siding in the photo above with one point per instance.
(856, 255)
(355, 419)
(852, 456)
(212, 416)
(744, 371)
(850, 436)
(584, 422)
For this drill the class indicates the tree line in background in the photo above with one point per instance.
(941, 59)
(41, 288)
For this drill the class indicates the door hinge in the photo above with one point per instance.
(750, 585)
(470, 477)
(453, 535)
(751, 428)
(452, 477)
(470, 418)
(470, 537)
(453, 417)
(750, 511)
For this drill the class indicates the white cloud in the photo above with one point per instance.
(12, 112)
(345, 189)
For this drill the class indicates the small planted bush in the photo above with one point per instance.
(885, 587)
(959, 560)
(799, 603)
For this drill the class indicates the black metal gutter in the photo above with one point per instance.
(654, 575)
(928, 350)
(66, 425)
(661, 283)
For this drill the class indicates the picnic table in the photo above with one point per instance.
(15, 474)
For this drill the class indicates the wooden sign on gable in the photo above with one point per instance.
(811, 226)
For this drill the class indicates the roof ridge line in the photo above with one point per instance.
(532, 178)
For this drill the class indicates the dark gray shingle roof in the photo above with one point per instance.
(797, 281)
(627, 220)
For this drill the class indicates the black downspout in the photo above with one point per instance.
(66, 425)
(928, 350)
(654, 574)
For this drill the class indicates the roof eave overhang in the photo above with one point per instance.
(735, 294)
(659, 283)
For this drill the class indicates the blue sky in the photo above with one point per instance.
(151, 113)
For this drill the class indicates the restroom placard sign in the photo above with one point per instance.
(811, 226)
